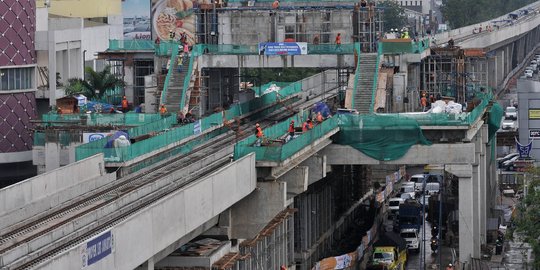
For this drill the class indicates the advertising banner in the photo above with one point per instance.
(136, 19)
(94, 136)
(283, 48)
(171, 19)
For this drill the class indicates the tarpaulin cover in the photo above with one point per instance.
(494, 121)
(382, 137)
(116, 135)
(321, 107)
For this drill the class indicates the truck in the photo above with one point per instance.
(389, 253)
(410, 215)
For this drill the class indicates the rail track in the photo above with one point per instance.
(125, 196)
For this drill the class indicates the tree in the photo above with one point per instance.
(527, 220)
(394, 15)
(459, 13)
(99, 82)
(77, 86)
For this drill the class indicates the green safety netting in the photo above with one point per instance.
(136, 45)
(494, 120)
(382, 137)
(174, 54)
(264, 100)
(281, 151)
(259, 90)
(98, 119)
(64, 138)
(399, 46)
(95, 147)
(177, 134)
(165, 48)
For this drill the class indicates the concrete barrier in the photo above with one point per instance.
(30, 197)
(156, 227)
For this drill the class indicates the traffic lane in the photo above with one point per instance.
(431, 259)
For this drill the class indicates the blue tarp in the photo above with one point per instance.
(321, 107)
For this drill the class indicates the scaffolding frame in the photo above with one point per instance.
(450, 72)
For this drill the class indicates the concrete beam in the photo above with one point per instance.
(459, 153)
(262, 61)
(297, 180)
(317, 167)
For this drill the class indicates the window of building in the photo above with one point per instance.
(142, 68)
(16, 78)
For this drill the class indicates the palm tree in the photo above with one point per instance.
(76, 86)
(101, 81)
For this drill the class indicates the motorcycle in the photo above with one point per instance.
(434, 245)
(434, 231)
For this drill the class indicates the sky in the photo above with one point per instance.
(136, 7)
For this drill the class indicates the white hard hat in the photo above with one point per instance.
(122, 137)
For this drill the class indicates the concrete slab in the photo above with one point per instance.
(458, 153)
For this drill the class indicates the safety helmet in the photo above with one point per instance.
(292, 121)
(257, 125)
(450, 264)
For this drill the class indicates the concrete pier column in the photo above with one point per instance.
(250, 215)
(52, 152)
(317, 167)
(469, 236)
(481, 151)
(297, 180)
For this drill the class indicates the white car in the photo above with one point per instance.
(412, 238)
(408, 190)
(508, 124)
(528, 73)
(533, 66)
(534, 62)
(510, 113)
(418, 179)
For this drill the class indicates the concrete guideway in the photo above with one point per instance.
(161, 224)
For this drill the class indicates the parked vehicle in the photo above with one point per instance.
(509, 164)
(412, 238)
(528, 73)
(510, 113)
(534, 67)
(424, 199)
(410, 215)
(505, 158)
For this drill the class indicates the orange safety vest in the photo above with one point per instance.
(291, 128)
(163, 110)
(423, 101)
(275, 5)
(305, 127)
(124, 103)
(338, 39)
(310, 123)
(259, 132)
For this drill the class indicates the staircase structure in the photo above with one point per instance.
(173, 94)
(363, 94)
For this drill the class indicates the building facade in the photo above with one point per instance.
(17, 89)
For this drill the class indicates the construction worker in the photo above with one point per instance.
(162, 110)
(259, 134)
(283, 267)
(338, 42)
(310, 123)
(320, 118)
(450, 267)
(291, 131)
(423, 102)
(125, 104)
(275, 5)
(305, 127)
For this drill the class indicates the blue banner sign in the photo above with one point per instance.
(283, 48)
(98, 248)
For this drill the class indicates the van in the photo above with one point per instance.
(432, 188)
(393, 205)
(418, 179)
